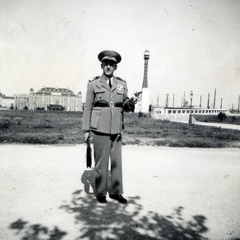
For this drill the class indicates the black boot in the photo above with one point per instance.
(119, 198)
(101, 199)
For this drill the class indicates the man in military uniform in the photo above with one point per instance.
(106, 99)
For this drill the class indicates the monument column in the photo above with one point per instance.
(145, 90)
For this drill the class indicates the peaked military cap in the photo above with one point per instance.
(110, 56)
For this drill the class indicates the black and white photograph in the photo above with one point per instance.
(120, 120)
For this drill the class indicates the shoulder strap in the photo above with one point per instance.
(118, 78)
(95, 78)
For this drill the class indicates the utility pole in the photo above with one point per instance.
(190, 115)
(184, 100)
(214, 101)
(167, 100)
(238, 103)
(208, 101)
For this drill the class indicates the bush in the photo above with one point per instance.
(141, 114)
(160, 143)
(5, 123)
(221, 116)
(18, 120)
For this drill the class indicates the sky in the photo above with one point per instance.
(194, 46)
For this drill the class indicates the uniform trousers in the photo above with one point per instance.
(107, 146)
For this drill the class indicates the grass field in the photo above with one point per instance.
(213, 118)
(45, 127)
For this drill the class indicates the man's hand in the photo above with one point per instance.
(86, 136)
(133, 100)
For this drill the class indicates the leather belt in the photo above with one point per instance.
(107, 104)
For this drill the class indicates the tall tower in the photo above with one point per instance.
(145, 90)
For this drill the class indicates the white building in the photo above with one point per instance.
(6, 102)
(171, 113)
(21, 101)
(50, 98)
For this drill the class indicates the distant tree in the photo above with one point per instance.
(222, 116)
(25, 108)
(150, 107)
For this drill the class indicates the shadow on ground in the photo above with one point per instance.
(127, 221)
(29, 231)
(116, 221)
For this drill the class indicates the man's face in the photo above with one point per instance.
(108, 68)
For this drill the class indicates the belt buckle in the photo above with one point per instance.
(111, 104)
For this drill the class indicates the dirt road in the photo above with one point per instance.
(174, 193)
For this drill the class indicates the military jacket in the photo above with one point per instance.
(105, 119)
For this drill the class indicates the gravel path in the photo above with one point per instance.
(174, 193)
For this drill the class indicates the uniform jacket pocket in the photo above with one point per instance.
(96, 114)
(99, 94)
(119, 96)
